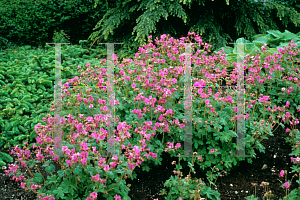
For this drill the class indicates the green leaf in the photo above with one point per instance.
(22, 128)
(14, 91)
(146, 168)
(27, 122)
(38, 177)
(77, 170)
(207, 163)
(61, 173)
(15, 130)
(5, 157)
(59, 192)
(50, 169)
(21, 137)
(14, 123)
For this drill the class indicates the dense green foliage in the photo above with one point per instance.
(30, 22)
(274, 39)
(218, 22)
(130, 22)
(27, 85)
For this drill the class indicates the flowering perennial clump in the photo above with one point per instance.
(150, 118)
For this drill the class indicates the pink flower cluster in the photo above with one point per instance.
(41, 196)
(213, 150)
(97, 178)
(296, 160)
(92, 196)
(171, 146)
(264, 99)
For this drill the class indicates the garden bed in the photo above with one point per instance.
(236, 185)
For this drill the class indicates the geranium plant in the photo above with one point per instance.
(150, 118)
(188, 187)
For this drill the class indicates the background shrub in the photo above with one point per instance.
(28, 22)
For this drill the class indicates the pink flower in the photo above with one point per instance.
(171, 145)
(84, 146)
(131, 166)
(84, 154)
(286, 185)
(102, 160)
(288, 115)
(95, 178)
(212, 151)
(178, 145)
(133, 85)
(287, 104)
(102, 181)
(83, 161)
(174, 80)
(106, 167)
(117, 197)
(207, 102)
(200, 158)
(283, 89)
(64, 148)
(33, 187)
(169, 112)
(176, 121)
(93, 195)
(247, 116)
(236, 109)
(69, 163)
(266, 98)
(281, 173)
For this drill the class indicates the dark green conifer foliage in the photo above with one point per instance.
(218, 22)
